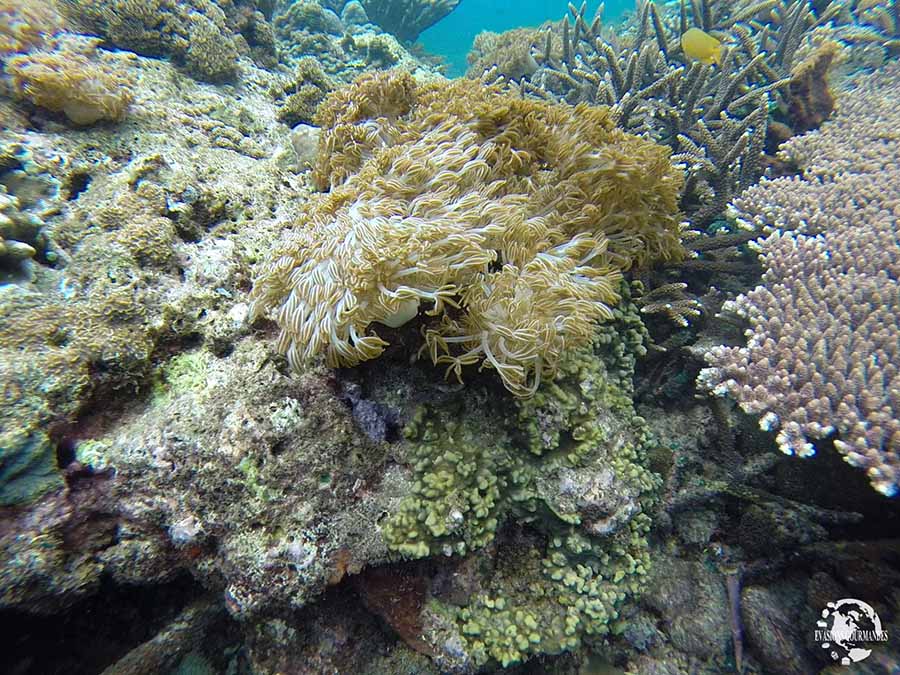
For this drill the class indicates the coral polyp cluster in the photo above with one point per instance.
(509, 220)
(71, 78)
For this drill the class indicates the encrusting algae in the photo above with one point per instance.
(510, 220)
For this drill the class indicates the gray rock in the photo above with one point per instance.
(770, 632)
(354, 14)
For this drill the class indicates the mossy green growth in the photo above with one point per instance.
(27, 466)
(93, 453)
(250, 470)
(570, 464)
(183, 372)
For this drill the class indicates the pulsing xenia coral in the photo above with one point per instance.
(71, 78)
(509, 220)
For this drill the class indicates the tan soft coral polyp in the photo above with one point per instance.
(69, 77)
(508, 220)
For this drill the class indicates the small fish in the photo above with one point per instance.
(701, 46)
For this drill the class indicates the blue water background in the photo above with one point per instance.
(452, 36)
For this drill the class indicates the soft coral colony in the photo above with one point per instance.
(508, 221)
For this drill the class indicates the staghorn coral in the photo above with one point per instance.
(870, 21)
(655, 91)
(519, 214)
(71, 78)
(407, 18)
(822, 351)
(713, 117)
(671, 301)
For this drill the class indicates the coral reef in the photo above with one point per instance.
(713, 116)
(175, 496)
(822, 344)
(110, 246)
(521, 214)
(300, 97)
(572, 466)
(70, 77)
(21, 234)
(509, 52)
(27, 195)
(809, 97)
(26, 25)
(343, 49)
(199, 34)
(306, 17)
(407, 18)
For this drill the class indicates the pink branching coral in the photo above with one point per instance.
(823, 350)
(70, 78)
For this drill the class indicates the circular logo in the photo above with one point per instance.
(847, 628)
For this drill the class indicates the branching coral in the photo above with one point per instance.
(71, 79)
(509, 219)
(822, 350)
(714, 117)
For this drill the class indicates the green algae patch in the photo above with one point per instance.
(247, 466)
(461, 488)
(182, 373)
(27, 467)
(93, 453)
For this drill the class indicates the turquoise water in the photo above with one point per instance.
(452, 36)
